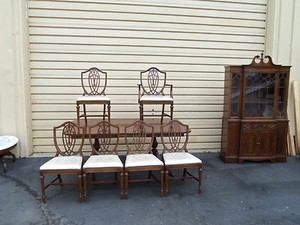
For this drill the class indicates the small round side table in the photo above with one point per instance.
(7, 143)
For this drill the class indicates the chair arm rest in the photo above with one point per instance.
(139, 91)
(171, 89)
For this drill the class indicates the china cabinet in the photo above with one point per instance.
(255, 124)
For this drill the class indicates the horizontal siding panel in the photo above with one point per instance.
(63, 40)
(190, 40)
(252, 6)
(66, 58)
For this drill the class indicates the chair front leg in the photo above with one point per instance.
(121, 185)
(80, 187)
(141, 112)
(126, 185)
(78, 113)
(104, 111)
(43, 187)
(200, 179)
(84, 111)
(162, 177)
(171, 111)
(84, 186)
(166, 182)
(162, 114)
(108, 111)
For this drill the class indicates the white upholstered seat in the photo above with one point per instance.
(92, 98)
(176, 158)
(138, 160)
(63, 163)
(159, 98)
(103, 161)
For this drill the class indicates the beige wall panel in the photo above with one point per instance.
(190, 40)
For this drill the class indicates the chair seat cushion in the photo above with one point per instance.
(63, 163)
(178, 158)
(158, 98)
(93, 98)
(138, 160)
(101, 161)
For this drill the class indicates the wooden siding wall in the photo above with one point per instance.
(191, 40)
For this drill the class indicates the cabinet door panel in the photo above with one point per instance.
(249, 143)
(267, 143)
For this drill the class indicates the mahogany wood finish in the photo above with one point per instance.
(93, 82)
(255, 123)
(174, 139)
(107, 135)
(139, 138)
(153, 85)
(68, 142)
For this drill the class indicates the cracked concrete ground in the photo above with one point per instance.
(250, 193)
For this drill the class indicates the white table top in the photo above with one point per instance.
(7, 142)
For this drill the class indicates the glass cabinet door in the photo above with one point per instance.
(281, 98)
(259, 95)
(235, 94)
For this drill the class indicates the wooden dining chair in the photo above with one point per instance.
(174, 139)
(93, 82)
(151, 91)
(104, 157)
(139, 138)
(68, 142)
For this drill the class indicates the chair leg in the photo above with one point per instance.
(43, 187)
(171, 111)
(121, 185)
(149, 175)
(3, 165)
(84, 111)
(84, 187)
(108, 111)
(200, 179)
(183, 174)
(162, 177)
(80, 187)
(78, 113)
(162, 114)
(104, 110)
(166, 182)
(126, 185)
(116, 177)
(60, 179)
(141, 112)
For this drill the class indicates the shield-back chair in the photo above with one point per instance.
(68, 142)
(174, 139)
(139, 138)
(93, 82)
(104, 157)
